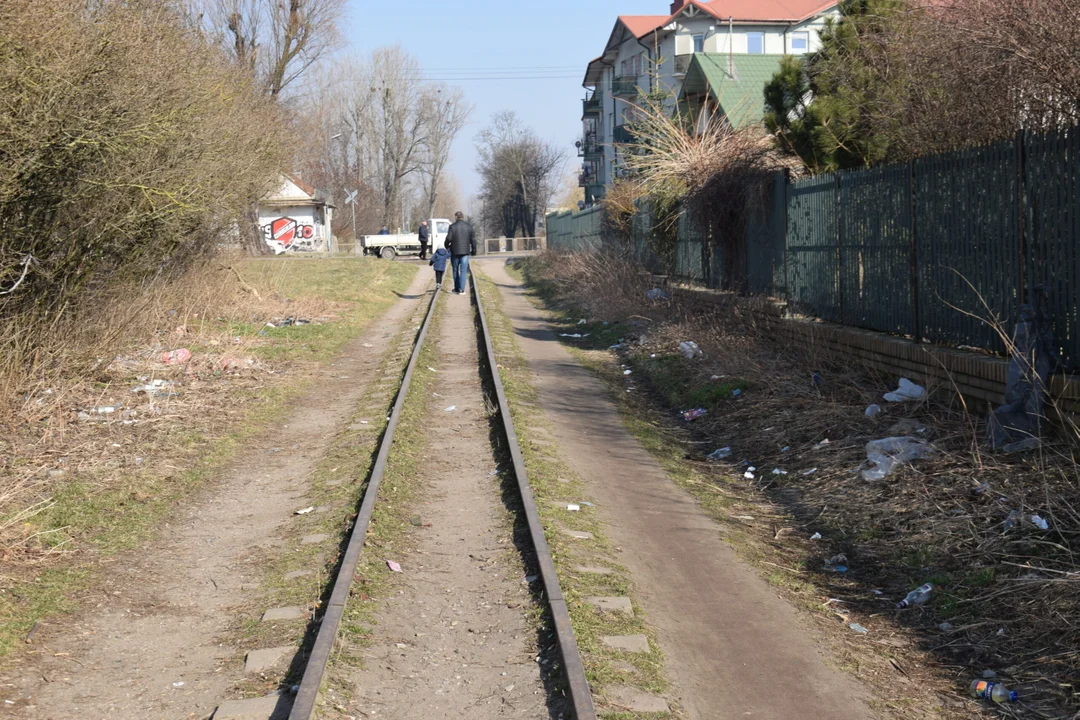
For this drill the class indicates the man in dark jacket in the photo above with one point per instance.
(424, 234)
(461, 242)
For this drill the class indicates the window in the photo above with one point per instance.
(755, 43)
(699, 43)
(632, 67)
(442, 227)
(800, 42)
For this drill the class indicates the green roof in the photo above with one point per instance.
(741, 98)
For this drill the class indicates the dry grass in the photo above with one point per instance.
(74, 489)
(1009, 597)
(715, 172)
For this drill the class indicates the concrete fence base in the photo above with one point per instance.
(978, 378)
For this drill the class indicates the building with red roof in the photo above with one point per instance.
(652, 52)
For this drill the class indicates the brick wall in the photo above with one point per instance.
(979, 378)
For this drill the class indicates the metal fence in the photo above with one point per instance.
(575, 231)
(943, 249)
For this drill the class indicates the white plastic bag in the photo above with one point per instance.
(690, 349)
(907, 391)
(887, 454)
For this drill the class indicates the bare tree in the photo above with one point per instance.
(373, 125)
(380, 127)
(519, 173)
(448, 199)
(278, 40)
(449, 111)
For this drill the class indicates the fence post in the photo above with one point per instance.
(916, 329)
(787, 189)
(839, 217)
(1021, 214)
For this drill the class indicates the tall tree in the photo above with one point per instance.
(375, 125)
(519, 174)
(449, 111)
(826, 107)
(896, 79)
(278, 40)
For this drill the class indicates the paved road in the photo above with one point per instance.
(734, 649)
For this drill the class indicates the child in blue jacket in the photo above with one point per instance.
(438, 260)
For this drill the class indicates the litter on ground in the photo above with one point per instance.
(176, 357)
(690, 349)
(887, 454)
(906, 391)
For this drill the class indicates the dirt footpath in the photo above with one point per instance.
(734, 649)
(453, 640)
(148, 646)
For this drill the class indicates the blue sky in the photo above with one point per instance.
(537, 52)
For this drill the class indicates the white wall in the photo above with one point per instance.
(310, 227)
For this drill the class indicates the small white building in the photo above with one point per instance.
(645, 49)
(296, 217)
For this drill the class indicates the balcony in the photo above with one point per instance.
(623, 135)
(594, 104)
(624, 86)
(586, 179)
(589, 146)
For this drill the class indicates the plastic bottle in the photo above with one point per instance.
(990, 690)
(916, 597)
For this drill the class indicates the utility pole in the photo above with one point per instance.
(351, 201)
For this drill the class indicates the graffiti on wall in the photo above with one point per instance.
(286, 231)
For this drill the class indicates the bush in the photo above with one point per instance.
(129, 147)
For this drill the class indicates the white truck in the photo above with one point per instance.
(387, 246)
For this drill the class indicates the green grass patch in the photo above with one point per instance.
(357, 289)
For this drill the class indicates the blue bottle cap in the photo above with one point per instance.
(1013, 696)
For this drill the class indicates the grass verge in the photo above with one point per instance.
(999, 604)
(337, 487)
(555, 486)
(68, 508)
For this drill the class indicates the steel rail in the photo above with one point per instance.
(581, 704)
(573, 670)
(308, 692)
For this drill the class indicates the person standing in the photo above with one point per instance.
(461, 242)
(424, 234)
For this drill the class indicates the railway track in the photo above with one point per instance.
(579, 699)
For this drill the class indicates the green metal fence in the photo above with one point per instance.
(943, 249)
(568, 230)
